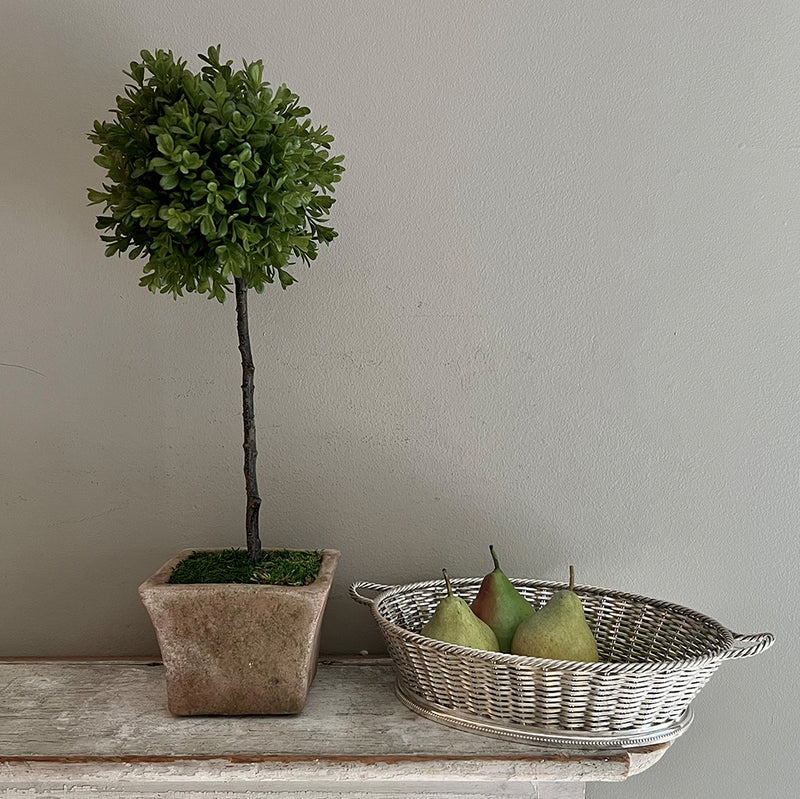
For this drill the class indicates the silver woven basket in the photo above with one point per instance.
(654, 658)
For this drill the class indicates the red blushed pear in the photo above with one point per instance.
(500, 605)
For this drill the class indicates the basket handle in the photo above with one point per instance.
(745, 646)
(365, 600)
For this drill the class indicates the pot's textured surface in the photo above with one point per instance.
(231, 649)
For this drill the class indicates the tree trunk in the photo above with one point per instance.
(248, 415)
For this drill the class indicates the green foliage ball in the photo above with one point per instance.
(212, 176)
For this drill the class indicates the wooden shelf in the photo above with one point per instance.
(90, 728)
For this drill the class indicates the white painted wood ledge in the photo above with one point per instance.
(101, 728)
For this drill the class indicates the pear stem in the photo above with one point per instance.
(447, 582)
(571, 578)
(494, 557)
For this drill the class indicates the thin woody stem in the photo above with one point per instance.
(248, 415)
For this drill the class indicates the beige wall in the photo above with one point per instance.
(561, 317)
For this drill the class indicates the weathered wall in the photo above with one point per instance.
(561, 317)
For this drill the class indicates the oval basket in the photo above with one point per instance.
(655, 657)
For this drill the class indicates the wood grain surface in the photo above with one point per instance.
(93, 728)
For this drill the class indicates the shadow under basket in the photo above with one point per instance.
(654, 658)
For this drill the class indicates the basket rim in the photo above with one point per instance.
(603, 667)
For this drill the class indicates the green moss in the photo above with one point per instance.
(277, 567)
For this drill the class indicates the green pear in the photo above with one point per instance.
(500, 605)
(557, 631)
(454, 623)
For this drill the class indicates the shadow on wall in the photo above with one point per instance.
(394, 526)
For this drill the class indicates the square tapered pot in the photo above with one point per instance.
(231, 649)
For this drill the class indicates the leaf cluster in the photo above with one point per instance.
(212, 176)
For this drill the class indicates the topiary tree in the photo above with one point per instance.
(219, 181)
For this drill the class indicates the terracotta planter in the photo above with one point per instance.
(233, 649)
